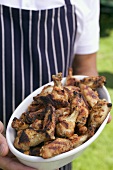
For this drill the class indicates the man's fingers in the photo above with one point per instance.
(12, 164)
(3, 146)
(1, 127)
(110, 118)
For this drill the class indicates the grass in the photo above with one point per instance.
(99, 155)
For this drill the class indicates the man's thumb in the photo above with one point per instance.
(3, 146)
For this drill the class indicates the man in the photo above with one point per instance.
(39, 39)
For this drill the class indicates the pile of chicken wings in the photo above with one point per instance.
(62, 117)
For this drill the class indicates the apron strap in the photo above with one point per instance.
(67, 2)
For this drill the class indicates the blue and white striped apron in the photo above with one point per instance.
(34, 45)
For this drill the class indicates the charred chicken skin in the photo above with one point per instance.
(94, 82)
(50, 122)
(56, 147)
(90, 95)
(71, 80)
(58, 96)
(28, 138)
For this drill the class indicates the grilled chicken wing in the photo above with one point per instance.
(97, 115)
(82, 116)
(19, 124)
(56, 147)
(50, 122)
(94, 81)
(77, 100)
(32, 116)
(78, 140)
(90, 95)
(61, 145)
(71, 80)
(28, 138)
(58, 96)
(83, 112)
(66, 125)
(45, 92)
(71, 90)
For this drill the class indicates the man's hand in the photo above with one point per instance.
(110, 118)
(3, 144)
(7, 160)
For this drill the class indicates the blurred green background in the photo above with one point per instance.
(99, 155)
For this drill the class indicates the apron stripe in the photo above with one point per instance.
(57, 42)
(66, 167)
(46, 49)
(67, 2)
(8, 61)
(1, 62)
(74, 24)
(42, 48)
(68, 37)
(3, 69)
(74, 20)
(50, 43)
(26, 56)
(34, 40)
(53, 43)
(17, 56)
(30, 52)
(13, 62)
(61, 43)
(39, 51)
(22, 60)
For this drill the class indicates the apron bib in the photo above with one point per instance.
(34, 45)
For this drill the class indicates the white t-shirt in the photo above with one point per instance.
(87, 40)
